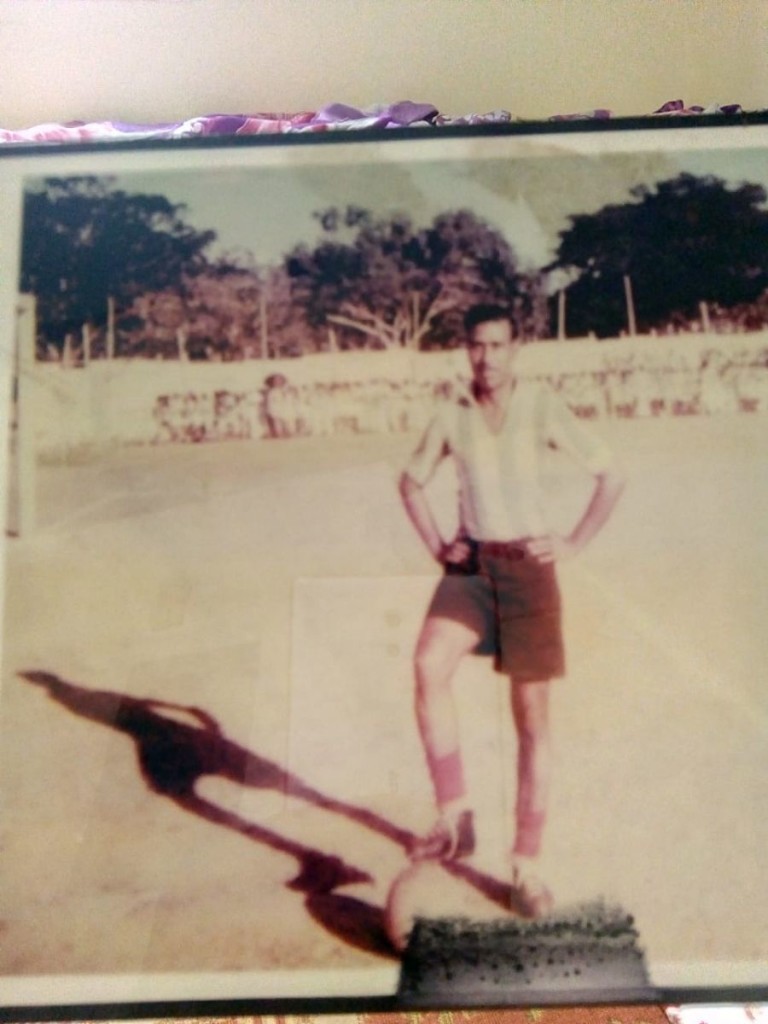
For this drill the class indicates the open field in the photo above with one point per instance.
(277, 589)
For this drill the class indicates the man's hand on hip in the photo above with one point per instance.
(551, 547)
(457, 552)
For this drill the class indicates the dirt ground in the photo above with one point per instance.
(211, 765)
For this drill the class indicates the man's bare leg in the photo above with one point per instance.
(441, 646)
(530, 710)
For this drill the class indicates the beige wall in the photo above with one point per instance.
(153, 60)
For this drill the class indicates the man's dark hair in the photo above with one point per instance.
(484, 313)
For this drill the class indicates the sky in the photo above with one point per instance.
(267, 211)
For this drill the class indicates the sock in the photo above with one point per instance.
(448, 779)
(530, 827)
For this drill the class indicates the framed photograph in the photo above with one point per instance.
(384, 575)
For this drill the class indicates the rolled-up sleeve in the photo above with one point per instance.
(571, 435)
(430, 451)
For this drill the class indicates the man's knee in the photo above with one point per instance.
(439, 650)
(433, 663)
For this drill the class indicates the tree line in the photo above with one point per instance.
(126, 274)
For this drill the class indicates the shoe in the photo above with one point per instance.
(529, 896)
(450, 839)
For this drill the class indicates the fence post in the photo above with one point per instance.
(86, 335)
(25, 454)
(631, 321)
(704, 310)
(110, 327)
(263, 321)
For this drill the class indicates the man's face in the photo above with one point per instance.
(492, 349)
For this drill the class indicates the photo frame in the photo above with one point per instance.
(220, 358)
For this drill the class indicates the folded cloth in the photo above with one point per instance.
(334, 117)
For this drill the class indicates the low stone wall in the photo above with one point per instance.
(146, 402)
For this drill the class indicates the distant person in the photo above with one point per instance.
(499, 593)
(277, 403)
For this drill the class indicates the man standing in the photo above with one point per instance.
(499, 593)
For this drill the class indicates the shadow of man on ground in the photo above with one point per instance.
(174, 754)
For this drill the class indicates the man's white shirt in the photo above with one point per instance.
(500, 495)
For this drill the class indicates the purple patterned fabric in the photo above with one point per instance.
(334, 117)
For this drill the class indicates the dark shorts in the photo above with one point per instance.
(512, 602)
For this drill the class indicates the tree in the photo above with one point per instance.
(84, 241)
(687, 240)
(286, 331)
(394, 285)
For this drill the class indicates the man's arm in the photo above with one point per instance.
(570, 435)
(420, 514)
(431, 450)
(607, 491)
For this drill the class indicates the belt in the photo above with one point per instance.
(512, 550)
